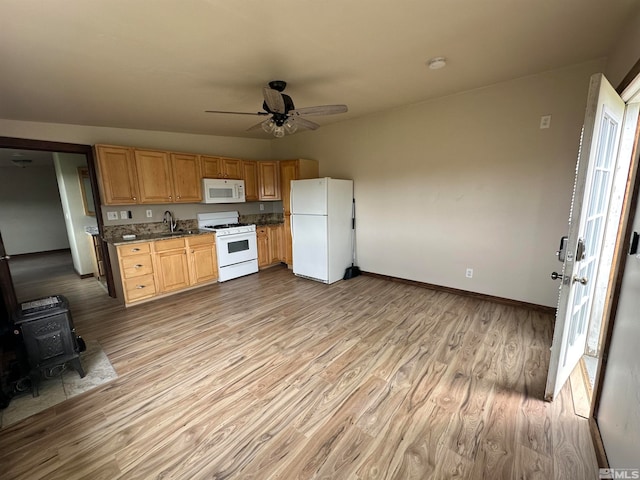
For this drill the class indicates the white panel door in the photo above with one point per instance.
(592, 190)
(309, 243)
(309, 197)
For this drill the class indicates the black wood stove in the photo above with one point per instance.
(49, 338)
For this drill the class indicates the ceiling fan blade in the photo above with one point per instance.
(257, 126)
(303, 122)
(320, 110)
(236, 113)
(273, 99)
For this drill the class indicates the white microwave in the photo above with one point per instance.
(217, 190)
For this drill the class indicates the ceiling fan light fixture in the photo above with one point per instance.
(290, 126)
(437, 63)
(269, 125)
(278, 132)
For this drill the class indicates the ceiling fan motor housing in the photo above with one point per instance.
(280, 118)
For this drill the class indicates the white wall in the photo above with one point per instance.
(247, 148)
(468, 180)
(626, 51)
(31, 217)
(66, 167)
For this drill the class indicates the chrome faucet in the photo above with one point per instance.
(168, 218)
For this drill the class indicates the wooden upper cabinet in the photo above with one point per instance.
(269, 180)
(187, 183)
(294, 170)
(232, 168)
(154, 176)
(221, 167)
(117, 175)
(250, 176)
(211, 166)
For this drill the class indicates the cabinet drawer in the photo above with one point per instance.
(134, 249)
(171, 244)
(139, 288)
(200, 240)
(136, 266)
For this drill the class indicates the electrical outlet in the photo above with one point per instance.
(124, 214)
(262, 207)
(149, 213)
(469, 273)
(545, 121)
(112, 215)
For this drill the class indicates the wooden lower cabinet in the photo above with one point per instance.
(135, 262)
(276, 246)
(203, 263)
(151, 269)
(270, 245)
(173, 270)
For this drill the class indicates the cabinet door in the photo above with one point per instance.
(276, 243)
(232, 168)
(211, 166)
(172, 270)
(154, 176)
(264, 251)
(269, 180)
(203, 264)
(117, 174)
(250, 176)
(187, 184)
(288, 172)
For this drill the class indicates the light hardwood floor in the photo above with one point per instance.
(271, 376)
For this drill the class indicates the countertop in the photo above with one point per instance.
(149, 237)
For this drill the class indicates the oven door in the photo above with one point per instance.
(232, 249)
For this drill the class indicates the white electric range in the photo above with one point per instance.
(236, 244)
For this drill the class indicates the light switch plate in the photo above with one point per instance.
(112, 215)
(545, 121)
(124, 215)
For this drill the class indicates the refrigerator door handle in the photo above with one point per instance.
(292, 230)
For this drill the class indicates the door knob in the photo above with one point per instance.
(555, 276)
(6, 257)
(582, 280)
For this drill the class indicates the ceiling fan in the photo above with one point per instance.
(285, 117)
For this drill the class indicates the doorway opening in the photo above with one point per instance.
(47, 219)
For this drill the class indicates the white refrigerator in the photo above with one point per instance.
(321, 228)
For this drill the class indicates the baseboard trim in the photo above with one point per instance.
(39, 254)
(466, 293)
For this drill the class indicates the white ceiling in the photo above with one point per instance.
(158, 64)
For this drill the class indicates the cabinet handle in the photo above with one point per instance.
(140, 286)
(138, 266)
(134, 198)
(135, 249)
(178, 197)
(169, 197)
